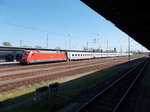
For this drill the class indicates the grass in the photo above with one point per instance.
(79, 85)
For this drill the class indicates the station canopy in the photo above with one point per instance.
(130, 16)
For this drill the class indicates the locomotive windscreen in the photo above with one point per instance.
(25, 54)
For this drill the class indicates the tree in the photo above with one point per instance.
(91, 49)
(97, 50)
(109, 51)
(58, 48)
(6, 44)
(85, 48)
(38, 47)
(27, 46)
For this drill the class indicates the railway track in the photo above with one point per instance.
(49, 69)
(33, 66)
(76, 69)
(111, 98)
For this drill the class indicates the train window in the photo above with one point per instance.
(75, 54)
(72, 54)
(78, 54)
(81, 54)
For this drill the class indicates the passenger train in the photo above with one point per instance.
(10, 55)
(36, 56)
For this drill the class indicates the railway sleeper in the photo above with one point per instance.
(115, 94)
(102, 108)
(110, 98)
(106, 103)
(110, 102)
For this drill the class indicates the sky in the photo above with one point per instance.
(68, 24)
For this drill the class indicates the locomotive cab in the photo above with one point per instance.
(35, 56)
(25, 57)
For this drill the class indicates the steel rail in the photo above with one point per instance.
(130, 87)
(108, 87)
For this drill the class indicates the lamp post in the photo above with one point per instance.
(97, 40)
(107, 48)
(129, 48)
(87, 45)
(69, 35)
(21, 43)
(94, 41)
(47, 41)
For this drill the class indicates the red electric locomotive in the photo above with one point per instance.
(34, 56)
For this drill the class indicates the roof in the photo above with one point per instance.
(130, 16)
(10, 48)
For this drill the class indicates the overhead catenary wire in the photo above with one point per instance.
(59, 35)
(27, 26)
